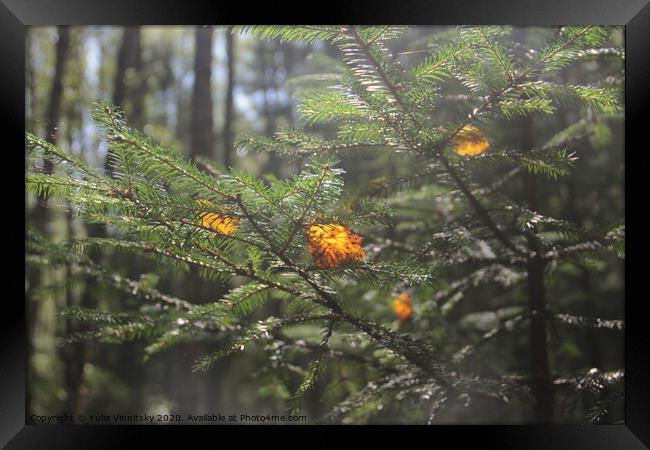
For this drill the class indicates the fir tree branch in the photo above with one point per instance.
(310, 201)
(566, 45)
(495, 52)
(478, 207)
(366, 49)
(122, 138)
(352, 357)
(474, 202)
(255, 225)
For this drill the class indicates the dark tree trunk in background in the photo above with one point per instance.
(573, 213)
(56, 94)
(40, 214)
(74, 355)
(272, 79)
(54, 106)
(542, 387)
(198, 392)
(541, 380)
(292, 56)
(128, 93)
(228, 146)
(265, 52)
(129, 56)
(201, 128)
(139, 89)
(30, 86)
(268, 84)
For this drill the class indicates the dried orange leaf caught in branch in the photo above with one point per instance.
(402, 306)
(217, 221)
(470, 141)
(331, 245)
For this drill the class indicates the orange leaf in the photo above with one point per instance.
(331, 245)
(402, 306)
(470, 141)
(217, 221)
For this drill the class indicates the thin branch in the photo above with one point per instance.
(298, 223)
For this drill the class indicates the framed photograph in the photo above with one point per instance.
(409, 216)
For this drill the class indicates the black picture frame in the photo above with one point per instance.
(15, 15)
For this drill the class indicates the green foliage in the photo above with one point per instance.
(550, 162)
(331, 106)
(476, 230)
(567, 47)
(315, 369)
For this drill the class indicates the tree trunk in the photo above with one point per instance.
(128, 94)
(137, 113)
(194, 392)
(40, 216)
(541, 377)
(265, 51)
(201, 128)
(54, 110)
(74, 354)
(129, 56)
(228, 149)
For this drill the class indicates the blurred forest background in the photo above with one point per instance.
(197, 89)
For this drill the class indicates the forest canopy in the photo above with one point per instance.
(352, 224)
